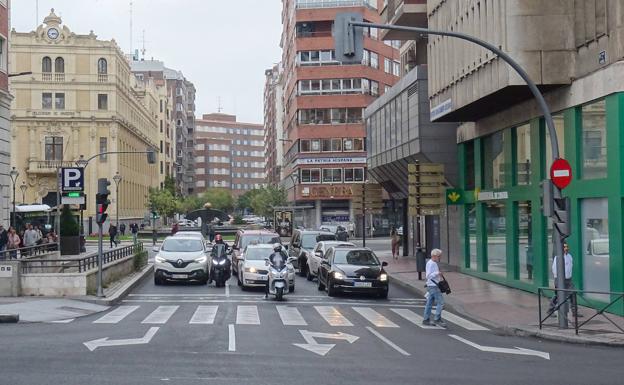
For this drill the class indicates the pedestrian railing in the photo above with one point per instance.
(27, 252)
(81, 264)
(572, 297)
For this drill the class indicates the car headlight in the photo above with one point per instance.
(201, 259)
(160, 259)
(338, 275)
(251, 269)
(383, 277)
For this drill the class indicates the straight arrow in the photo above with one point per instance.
(94, 344)
(492, 349)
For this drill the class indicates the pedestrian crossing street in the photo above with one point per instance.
(329, 315)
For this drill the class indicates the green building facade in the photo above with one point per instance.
(505, 237)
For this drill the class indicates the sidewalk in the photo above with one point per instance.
(505, 309)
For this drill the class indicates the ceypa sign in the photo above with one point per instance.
(72, 179)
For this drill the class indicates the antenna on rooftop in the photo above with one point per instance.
(219, 108)
(143, 50)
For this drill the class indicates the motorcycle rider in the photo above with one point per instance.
(278, 257)
(219, 241)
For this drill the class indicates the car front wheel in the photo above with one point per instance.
(320, 286)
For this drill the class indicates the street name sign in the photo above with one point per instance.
(561, 173)
(72, 179)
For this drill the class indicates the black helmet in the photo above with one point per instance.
(277, 247)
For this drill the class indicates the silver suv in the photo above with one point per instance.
(181, 259)
(246, 237)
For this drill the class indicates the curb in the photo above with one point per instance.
(518, 331)
(115, 298)
(9, 318)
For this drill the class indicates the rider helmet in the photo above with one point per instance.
(277, 247)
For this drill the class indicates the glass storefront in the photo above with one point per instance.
(494, 161)
(595, 221)
(496, 237)
(472, 235)
(525, 240)
(523, 155)
(594, 140)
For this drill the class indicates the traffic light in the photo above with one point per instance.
(348, 40)
(101, 200)
(561, 216)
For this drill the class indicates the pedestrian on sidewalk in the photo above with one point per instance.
(351, 229)
(122, 229)
(434, 276)
(567, 282)
(14, 242)
(395, 241)
(112, 232)
(4, 239)
(134, 228)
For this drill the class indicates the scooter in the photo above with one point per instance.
(220, 267)
(278, 280)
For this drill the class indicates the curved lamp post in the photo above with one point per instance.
(14, 174)
(117, 178)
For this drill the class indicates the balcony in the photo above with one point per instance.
(48, 166)
(52, 77)
(102, 78)
(411, 13)
(309, 4)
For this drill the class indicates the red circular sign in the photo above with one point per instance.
(561, 173)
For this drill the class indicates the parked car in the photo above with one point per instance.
(181, 259)
(245, 237)
(301, 245)
(314, 259)
(253, 269)
(331, 228)
(354, 269)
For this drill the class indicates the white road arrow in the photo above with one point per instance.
(492, 349)
(94, 344)
(323, 349)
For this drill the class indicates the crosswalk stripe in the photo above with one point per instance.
(116, 315)
(414, 318)
(161, 315)
(332, 316)
(247, 315)
(204, 315)
(468, 325)
(375, 318)
(290, 316)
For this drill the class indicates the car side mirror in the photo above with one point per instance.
(384, 264)
(325, 262)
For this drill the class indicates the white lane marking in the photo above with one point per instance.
(116, 315)
(492, 349)
(256, 301)
(94, 344)
(227, 288)
(468, 325)
(290, 316)
(322, 349)
(387, 341)
(247, 315)
(375, 318)
(414, 318)
(232, 338)
(204, 315)
(161, 315)
(62, 321)
(332, 316)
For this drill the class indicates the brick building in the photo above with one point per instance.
(228, 154)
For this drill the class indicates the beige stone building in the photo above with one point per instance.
(81, 99)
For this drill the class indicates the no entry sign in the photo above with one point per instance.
(561, 173)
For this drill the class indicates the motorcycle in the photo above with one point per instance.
(220, 267)
(278, 279)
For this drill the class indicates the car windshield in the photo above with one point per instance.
(310, 240)
(263, 239)
(355, 257)
(258, 253)
(182, 245)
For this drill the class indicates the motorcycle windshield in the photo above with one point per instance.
(218, 251)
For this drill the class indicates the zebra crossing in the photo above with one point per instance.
(329, 315)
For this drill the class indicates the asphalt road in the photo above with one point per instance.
(193, 334)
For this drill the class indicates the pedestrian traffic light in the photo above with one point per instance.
(101, 200)
(561, 215)
(348, 40)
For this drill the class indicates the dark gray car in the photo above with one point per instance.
(302, 245)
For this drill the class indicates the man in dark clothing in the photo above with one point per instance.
(341, 234)
(134, 229)
(122, 229)
(4, 238)
(112, 232)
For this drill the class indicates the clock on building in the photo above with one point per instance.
(53, 33)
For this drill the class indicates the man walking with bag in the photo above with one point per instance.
(433, 276)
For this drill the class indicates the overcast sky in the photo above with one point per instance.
(223, 47)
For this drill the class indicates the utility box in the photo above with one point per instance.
(10, 278)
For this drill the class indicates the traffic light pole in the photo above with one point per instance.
(349, 52)
(364, 215)
(100, 290)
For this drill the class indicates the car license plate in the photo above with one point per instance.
(179, 276)
(363, 284)
(262, 278)
(279, 284)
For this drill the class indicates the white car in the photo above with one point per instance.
(253, 271)
(181, 259)
(318, 254)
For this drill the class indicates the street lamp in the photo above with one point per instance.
(14, 174)
(82, 162)
(117, 178)
(23, 187)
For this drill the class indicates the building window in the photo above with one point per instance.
(46, 100)
(103, 148)
(472, 235)
(353, 144)
(331, 175)
(595, 222)
(54, 148)
(3, 55)
(331, 145)
(523, 154)
(102, 102)
(496, 228)
(494, 161)
(594, 140)
(387, 66)
(374, 60)
(396, 68)
(525, 241)
(353, 175)
(46, 65)
(59, 101)
(59, 65)
(103, 68)
(310, 175)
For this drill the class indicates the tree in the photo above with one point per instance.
(163, 202)
(69, 225)
(266, 199)
(219, 198)
(170, 185)
(190, 203)
(244, 201)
